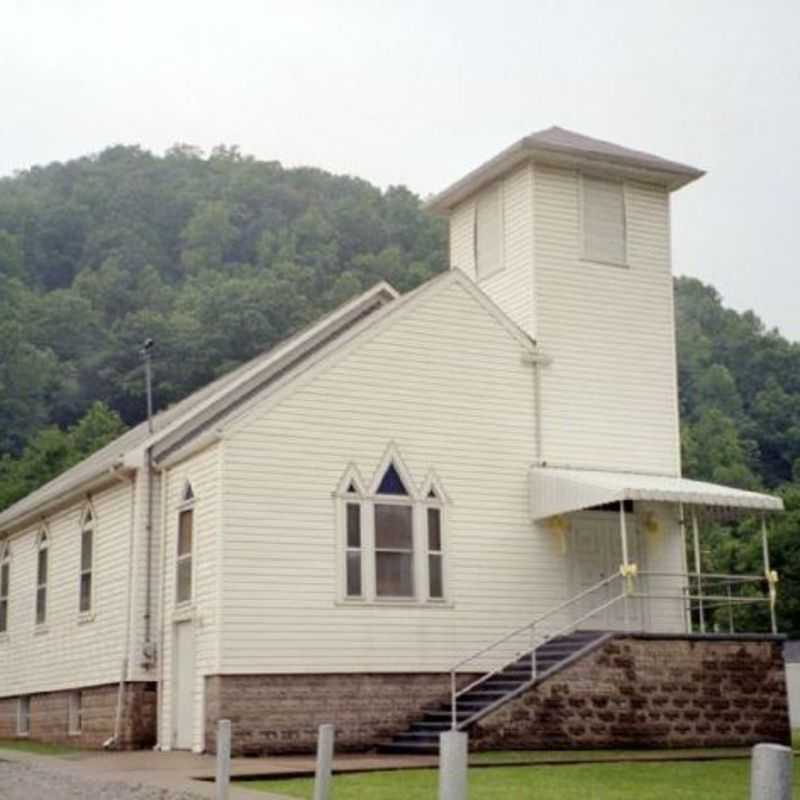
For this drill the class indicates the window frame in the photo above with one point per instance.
(24, 702)
(435, 504)
(401, 501)
(5, 596)
(497, 190)
(75, 713)
(187, 505)
(87, 526)
(584, 255)
(419, 503)
(42, 586)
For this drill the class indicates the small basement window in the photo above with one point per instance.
(488, 232)
(75, 713)
(23, 716)
(603, 220)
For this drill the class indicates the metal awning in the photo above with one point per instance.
(558, 491)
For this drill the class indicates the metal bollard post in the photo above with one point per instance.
(223, 759)
(453, 765)
(322, 779)
(771, 772)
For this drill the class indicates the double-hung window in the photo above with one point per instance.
(42, 567)
(5, 585)
(391, 542)
(394, 537)
(433, 518)
(87, 562)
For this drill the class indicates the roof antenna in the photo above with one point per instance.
(146, 353)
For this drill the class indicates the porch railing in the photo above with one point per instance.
(699, 594)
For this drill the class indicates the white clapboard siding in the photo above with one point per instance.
(202, 470)
(793, 690)
(512, 285)
(446, 384)
(68, 652)
(609, 396)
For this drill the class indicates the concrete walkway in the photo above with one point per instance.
(175, 772)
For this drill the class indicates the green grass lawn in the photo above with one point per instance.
(506, 757)
(796, 738)
(40, 748)
(721, 780)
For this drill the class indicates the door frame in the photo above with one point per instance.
(636, 544)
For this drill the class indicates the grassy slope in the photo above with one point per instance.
(722, 780)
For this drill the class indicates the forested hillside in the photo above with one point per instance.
(218, 257)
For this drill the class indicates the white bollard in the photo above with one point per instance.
(223, 759)
(771, 772)
(453, 747)
(322, 779)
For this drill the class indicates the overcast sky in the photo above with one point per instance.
(419, 93)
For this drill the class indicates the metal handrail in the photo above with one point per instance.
(628, 592)
(528, 628)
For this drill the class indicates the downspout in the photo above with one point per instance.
(114, 740)
(537, 360)
(537, 400)
(148, 650)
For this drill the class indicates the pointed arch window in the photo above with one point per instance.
(5, 585)
(185, 548)
(392, 538)
(42, 568)
(86, 584)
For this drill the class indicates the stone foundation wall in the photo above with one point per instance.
(281, 713)
(50, 717)
(651, 692)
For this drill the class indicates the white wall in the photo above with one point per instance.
(69, 651)
(610, 396)
(202, 470)
(446, 383)
(793, 687)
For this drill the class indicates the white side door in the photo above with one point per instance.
(596, 554)
(183, 691)
(589, 567)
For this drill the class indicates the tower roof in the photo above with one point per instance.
(567, 148)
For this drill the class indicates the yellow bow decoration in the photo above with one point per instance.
(772, 576)
(628, 570)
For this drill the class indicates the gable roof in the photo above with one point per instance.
(113, 456)
(561, 146)
(219, 400)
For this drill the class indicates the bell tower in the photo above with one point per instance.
(570, 236)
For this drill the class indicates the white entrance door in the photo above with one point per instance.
(596, 554)
(184, 678)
